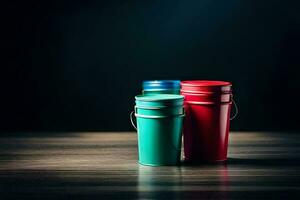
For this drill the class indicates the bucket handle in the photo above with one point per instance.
(131, 120)
(236, 109)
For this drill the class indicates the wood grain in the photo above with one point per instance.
(99, 165)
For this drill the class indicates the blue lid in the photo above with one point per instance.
(161, 84)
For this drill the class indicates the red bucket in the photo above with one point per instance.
(206, 126)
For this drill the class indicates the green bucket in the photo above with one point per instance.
(159, 126)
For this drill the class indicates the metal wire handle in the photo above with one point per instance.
(132, 123)
(235, 108)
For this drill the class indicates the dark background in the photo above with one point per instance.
(77, 65)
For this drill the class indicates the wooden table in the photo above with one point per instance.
(104, 165)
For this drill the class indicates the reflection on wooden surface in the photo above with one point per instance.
(104, 166)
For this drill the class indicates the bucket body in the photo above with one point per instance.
(159, 140)
(161, 87)
(159, 129)
(206, 126)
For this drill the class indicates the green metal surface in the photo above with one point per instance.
(159, 125)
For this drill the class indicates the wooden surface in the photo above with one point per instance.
(104, 165)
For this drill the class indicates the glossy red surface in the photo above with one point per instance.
(207, 98)
(206, 86)
(205, 131)
(206, 125)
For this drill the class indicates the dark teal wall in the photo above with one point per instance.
(76, 65)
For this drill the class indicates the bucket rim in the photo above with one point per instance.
(205, 93)
(207, 102)
(161, 84)
(161, 89)
(205, 83)
(159, 97)
(159, 107)
(158, 116)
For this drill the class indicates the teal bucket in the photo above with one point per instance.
(159, 126)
